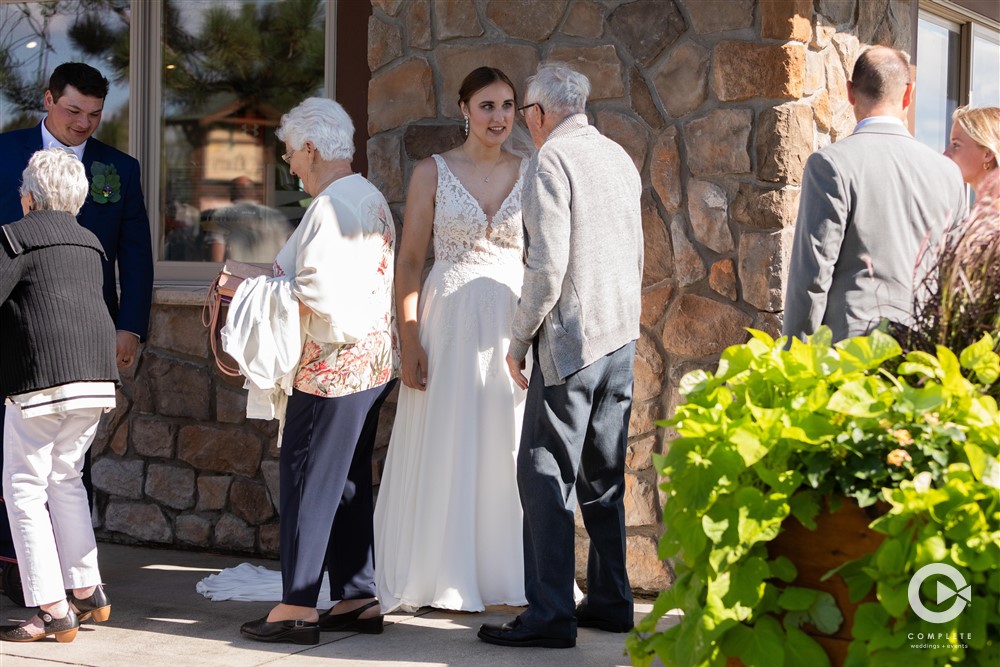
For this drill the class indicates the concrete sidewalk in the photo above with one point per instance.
(158, 620)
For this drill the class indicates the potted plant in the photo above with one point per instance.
(777, 436)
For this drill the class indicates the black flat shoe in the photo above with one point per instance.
(587, 619)
(288, 632)
(96, 606)
(516, 635)
(64, 629)
(351, 622)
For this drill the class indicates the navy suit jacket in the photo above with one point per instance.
(122, 227)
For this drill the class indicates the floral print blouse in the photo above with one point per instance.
(342, 257)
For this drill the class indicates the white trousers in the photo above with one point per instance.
(42, 465)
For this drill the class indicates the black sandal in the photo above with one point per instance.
(351, 621)
(64, 629)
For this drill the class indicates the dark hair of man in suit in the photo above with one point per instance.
(881, 74)
(81, 76)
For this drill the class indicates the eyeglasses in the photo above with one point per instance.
(287, 157)
(521, 110)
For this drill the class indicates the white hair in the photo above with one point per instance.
(559, 88)
(323, 122)
(56, 180)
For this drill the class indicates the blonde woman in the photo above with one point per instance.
(974, 147)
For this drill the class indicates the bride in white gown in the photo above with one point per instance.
(448, 517)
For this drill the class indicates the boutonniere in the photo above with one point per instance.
(106, 185)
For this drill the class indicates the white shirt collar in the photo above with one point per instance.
(49, 141)
(879, 119)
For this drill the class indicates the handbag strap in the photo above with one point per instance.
(211, 313)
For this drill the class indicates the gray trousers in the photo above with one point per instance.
(575, 434)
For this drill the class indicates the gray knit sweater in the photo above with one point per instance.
(583, 234)
(54, 325)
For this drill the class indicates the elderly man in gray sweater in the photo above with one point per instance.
(579, 307)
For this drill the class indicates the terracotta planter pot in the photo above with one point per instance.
(840, 536)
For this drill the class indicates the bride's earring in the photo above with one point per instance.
(466, 126)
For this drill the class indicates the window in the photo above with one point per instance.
(958, 62)
(938, 86)
(229, 71)
(197, 90)
(985, 68)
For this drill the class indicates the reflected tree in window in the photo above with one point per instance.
(35, 37)
(230, 70)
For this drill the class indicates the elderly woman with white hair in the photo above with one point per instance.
(58, 375)
(339, 262)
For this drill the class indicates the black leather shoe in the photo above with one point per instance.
(515, 634)
(586, 619)
(351, 622)
(96, 606)
(64, 629)
(287, 632)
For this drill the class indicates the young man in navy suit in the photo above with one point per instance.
(74, 103)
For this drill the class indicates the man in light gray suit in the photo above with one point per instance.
(579, 306)
(869, 203)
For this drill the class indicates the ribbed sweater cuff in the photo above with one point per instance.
(518, 349)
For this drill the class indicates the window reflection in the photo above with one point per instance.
(36, 37)
(938, 89)
(231, 69)
(985, 70)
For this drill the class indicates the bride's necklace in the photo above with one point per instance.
(475, 173)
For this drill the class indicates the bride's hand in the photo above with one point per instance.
(414, 367)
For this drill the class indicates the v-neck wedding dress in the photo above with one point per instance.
(448, 517)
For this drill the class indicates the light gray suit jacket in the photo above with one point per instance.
(869, 203)
(582, 287)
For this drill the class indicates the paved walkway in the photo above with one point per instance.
(158, 620)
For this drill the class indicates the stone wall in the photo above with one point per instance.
(719, 102)
(178, 463)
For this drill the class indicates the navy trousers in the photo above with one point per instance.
(575, 435)
(326, 495)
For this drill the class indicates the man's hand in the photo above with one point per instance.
(126, 348)
(515, 367)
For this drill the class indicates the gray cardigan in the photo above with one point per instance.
(583, 237)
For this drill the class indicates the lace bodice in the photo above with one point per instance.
(462, 232)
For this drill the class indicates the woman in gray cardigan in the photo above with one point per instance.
(57, 375)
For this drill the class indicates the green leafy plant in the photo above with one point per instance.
(777, 433)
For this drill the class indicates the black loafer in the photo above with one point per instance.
(287, 632)
(351, 621)
(586, 619)
(515, 634)
(64, 629)
(96, 606)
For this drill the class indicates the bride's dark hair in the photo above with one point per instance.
(478, 79)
